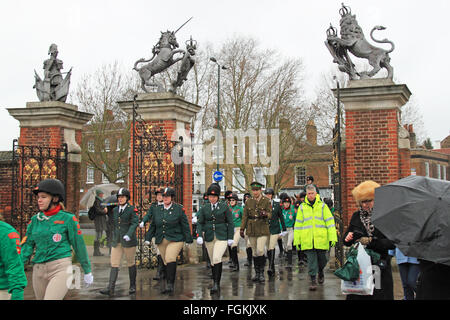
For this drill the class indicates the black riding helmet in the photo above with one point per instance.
(168, 192)
(124, 192)
(53, 187)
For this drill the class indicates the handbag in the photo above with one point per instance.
(364, 284)
(350, 270)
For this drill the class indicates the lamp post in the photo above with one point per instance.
(218, 104)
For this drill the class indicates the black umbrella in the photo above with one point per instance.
(414, 213)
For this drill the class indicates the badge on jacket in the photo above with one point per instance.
(57, 237)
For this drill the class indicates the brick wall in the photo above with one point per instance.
(5, 189)
(371, 152)
(52, 137)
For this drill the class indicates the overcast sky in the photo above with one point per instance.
(90, 33)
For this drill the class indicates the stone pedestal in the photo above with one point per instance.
(376, 145)
(52, 124)
(173, 114)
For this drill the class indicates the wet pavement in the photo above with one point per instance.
(193, 283)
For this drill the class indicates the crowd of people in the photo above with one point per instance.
(304, 224)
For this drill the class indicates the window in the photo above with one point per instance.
(259, 149)
(107, 145)
(119, 144)
(438, 171)
(238, 152)
(214, 152)
(121, 173)
(300, 176)
(259, 175)
(427, 169)
(238, 180)
(104, 178)
(91, 146)
(90, 174)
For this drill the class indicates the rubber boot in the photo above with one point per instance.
(313, 285)
(256, 266)
(262, 264)
(132, 274)
(158, 272)
(171, 272)
(234, 254)
(97, 252)
(249, 257)
(271, 258)
(321, 277)
(163, 279)
(112, 282)
(289, 259)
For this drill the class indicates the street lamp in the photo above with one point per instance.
(218, 103)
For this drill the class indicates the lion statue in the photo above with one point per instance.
(353, 40)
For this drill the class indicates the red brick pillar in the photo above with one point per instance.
(52, 124)
(376, 146)
(173, 114)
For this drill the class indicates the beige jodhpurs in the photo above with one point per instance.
(258, 245)
(236, 237)
(273, 239)
(288, 238)
(50, 279)
(170, 250)
(4, 295)
(216, 249)
(117, 253)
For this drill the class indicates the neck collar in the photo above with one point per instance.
(53, 211)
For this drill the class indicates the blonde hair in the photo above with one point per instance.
(365, 191)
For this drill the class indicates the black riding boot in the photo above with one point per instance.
(112, 282)
(234, 255)
(280, 246)
(171, 272)
(163, 278)
(262, 264)
(132, 273)
(158, 272)
(257, 270)
(97, 252)
(217, 274)
(289, 259)
(271, 258)
(230, 257)
(249, 257)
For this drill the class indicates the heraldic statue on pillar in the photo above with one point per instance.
(164, 56)
(54, 87)
(353, 40)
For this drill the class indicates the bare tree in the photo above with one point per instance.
(106, 137)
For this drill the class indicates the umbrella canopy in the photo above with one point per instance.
(110, 201)
(88, 199)
(414, 213)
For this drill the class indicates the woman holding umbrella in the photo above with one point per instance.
(361, 229)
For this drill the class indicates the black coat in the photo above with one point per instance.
(434, 281)
(381, 245)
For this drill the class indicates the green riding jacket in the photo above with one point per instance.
(12, 274)
(53, 237)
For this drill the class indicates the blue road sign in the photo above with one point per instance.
(218, 176)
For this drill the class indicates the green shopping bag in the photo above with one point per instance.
(350, 270)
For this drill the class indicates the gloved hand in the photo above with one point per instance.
(194, 220)
(230, 242)
(332, 243)
(141, 225)
(146, 242)
(17, 294)
(365, 240)
(126, 238)
(200, 240)
(88, 279)
(242, 233)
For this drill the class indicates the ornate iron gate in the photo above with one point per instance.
(31, 164)
(152, 168)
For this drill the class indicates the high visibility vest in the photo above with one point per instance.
(314, 227)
